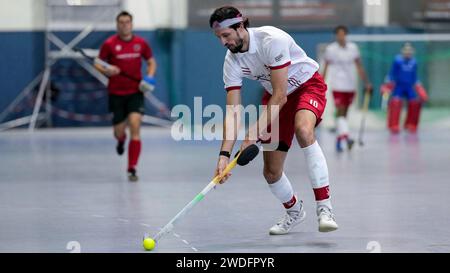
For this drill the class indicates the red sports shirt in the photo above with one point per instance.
(127, 55)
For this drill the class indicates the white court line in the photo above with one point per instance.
(68, 212)
(184, 241)
(147, 225)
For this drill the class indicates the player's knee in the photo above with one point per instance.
(271, 174)
(305, 134)
(135, 125)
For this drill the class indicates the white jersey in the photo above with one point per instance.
(341, 61)
(269, 48)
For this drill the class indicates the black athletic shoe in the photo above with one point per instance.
(350, 143)
(120, 147)
(132, 177)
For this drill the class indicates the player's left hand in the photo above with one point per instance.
(147, 84)
(421, 92)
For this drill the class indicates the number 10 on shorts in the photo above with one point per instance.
(313, 103)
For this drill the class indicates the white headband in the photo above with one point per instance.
(227, 23)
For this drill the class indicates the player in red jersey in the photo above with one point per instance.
(124, 51)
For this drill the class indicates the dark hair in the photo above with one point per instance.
(341, 27)
(124, 13)
(227, 12)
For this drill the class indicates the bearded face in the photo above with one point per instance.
(231, 39)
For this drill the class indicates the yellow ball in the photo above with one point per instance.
(149, 243)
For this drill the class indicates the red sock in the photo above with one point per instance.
(322, 193)
(134, 149)
(289, 204)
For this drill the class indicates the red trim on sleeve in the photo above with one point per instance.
(280, 66)
(232, 88)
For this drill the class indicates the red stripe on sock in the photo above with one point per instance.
(289, 204)
(134, 150)
(322, 193)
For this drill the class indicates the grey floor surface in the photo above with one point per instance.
(67, 187)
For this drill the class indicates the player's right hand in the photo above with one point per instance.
(221, 165)
(112, 71)
(387, 88)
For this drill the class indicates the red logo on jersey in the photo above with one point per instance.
(137, 47)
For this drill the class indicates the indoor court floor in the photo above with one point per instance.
(66, 187)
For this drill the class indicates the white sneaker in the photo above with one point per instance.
(326, 219)
(290, 220)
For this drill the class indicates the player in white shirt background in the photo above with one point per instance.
(341, 57)
(295, 88)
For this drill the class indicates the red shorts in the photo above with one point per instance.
(343, 99)
(309, 96)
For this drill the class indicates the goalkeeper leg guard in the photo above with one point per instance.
(413, 117)
(394, 111)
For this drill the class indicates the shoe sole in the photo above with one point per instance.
(298, 222)
(133, 178)
(327, 228)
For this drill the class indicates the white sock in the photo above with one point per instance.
(325, 202)
(282, 189)
(318, 173)
(342, 127)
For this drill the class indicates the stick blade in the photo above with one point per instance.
(248, 154)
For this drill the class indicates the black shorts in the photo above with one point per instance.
(122, 106)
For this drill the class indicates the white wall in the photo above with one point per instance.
(29, 15)
(376, 12)
(22, 15)
(157, 13)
